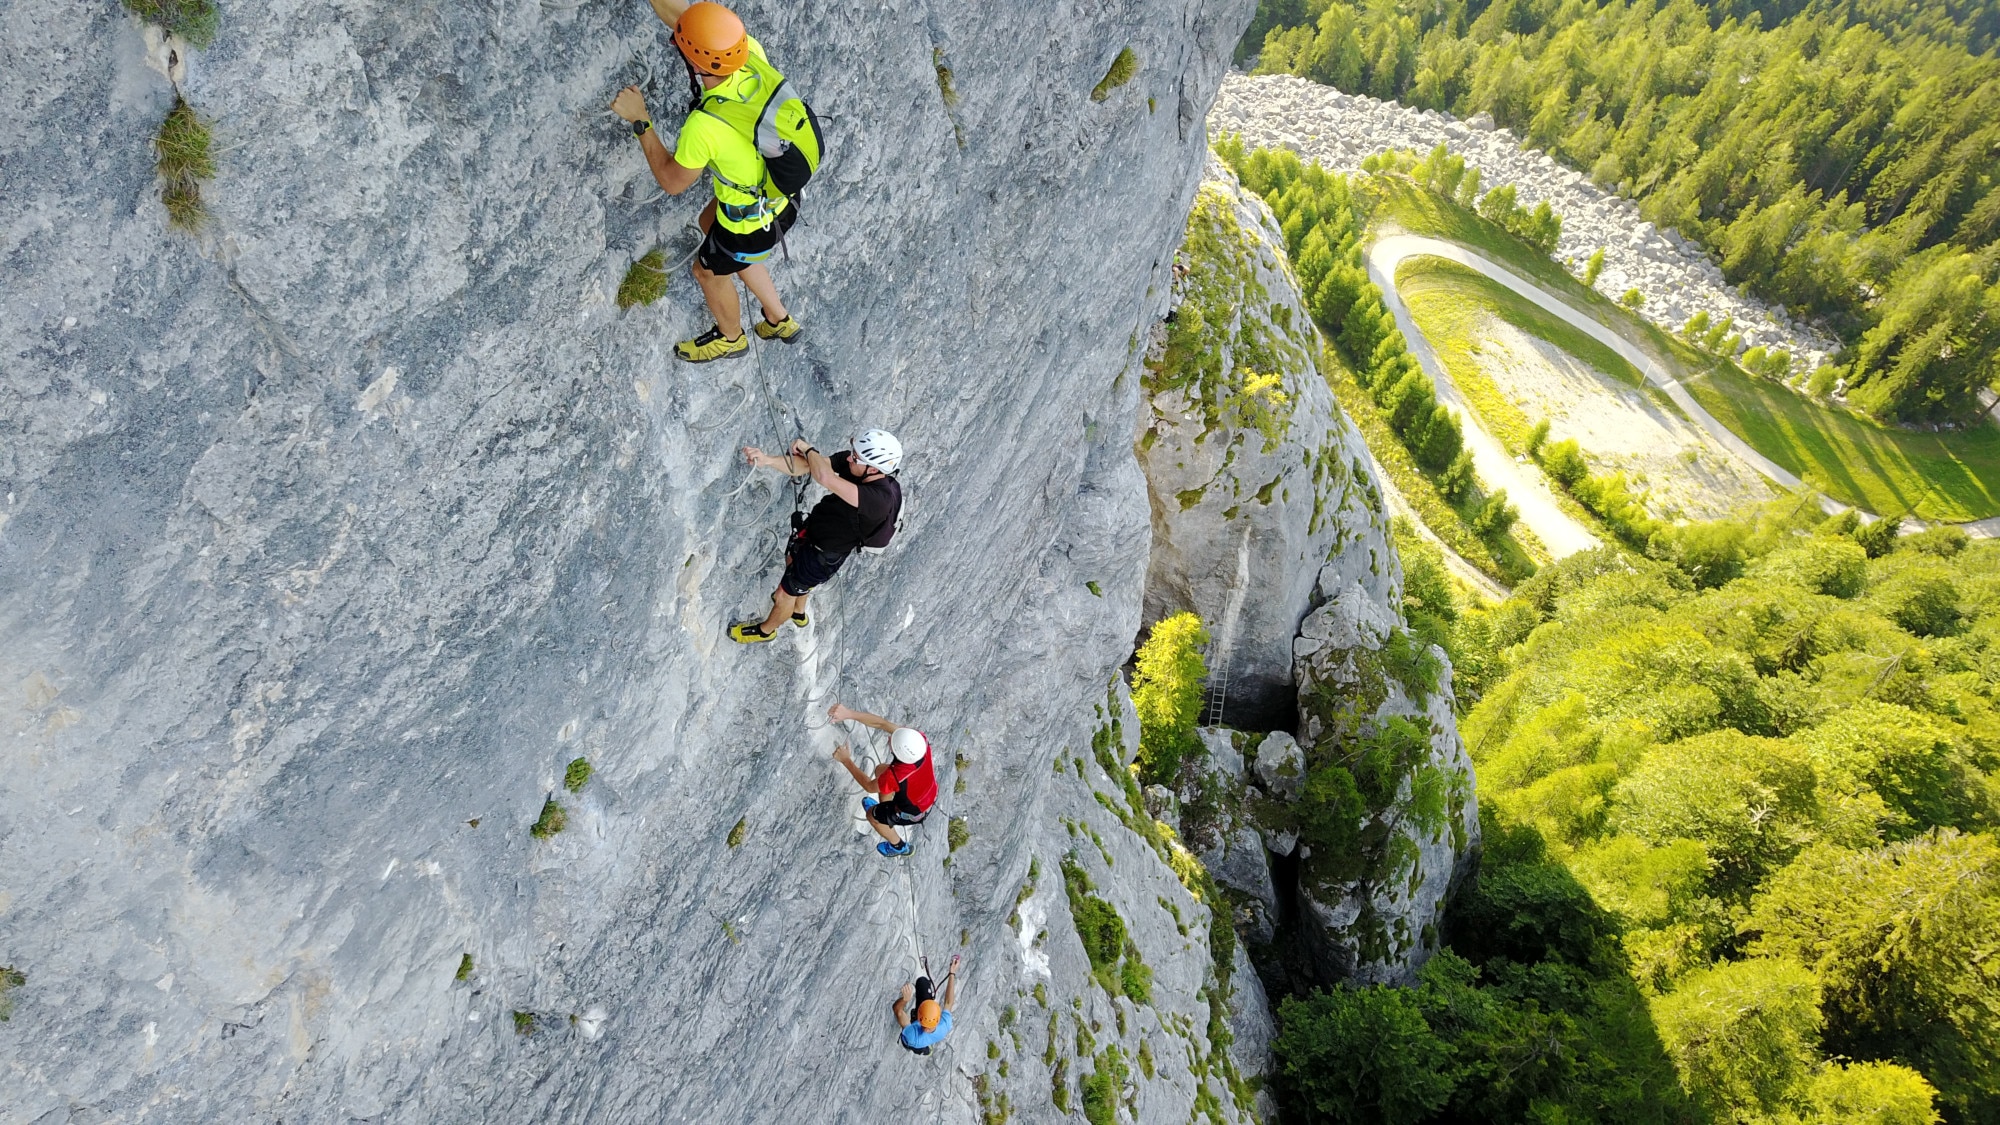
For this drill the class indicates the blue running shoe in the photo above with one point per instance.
(891, 851)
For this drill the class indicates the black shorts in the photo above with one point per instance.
(806, 567)
(718, 251)
(897, 810)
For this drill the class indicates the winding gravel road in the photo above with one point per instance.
(1525, 485)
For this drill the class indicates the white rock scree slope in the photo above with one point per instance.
(333, 533)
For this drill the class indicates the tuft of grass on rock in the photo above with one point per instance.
(646, 281)
(958, 832)
(1122, 69)
(945, 88)
(11, 978)
(577, 775)
(184, 161)
(554, 819)
(524, 1023)
(464, 967)
(1094, 588)
(737, 833)
(192, 20)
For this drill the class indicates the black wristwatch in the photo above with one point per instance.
(640, 126)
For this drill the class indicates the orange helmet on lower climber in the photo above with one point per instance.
(711, 39)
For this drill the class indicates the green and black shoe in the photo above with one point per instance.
(786, 330)
(712, 345)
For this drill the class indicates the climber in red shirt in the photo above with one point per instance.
(907, 784)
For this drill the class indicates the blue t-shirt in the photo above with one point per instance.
(914, 1035)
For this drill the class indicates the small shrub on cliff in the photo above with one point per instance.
(645, 282)
(577, 775)
(1167, 690)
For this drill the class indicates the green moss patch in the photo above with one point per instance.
(1122, 69)
(577, 775)
(554, 819)
(464, 968)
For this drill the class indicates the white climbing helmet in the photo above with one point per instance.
(879, 449)
(909, 745)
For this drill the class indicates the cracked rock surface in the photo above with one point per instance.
(332, 534)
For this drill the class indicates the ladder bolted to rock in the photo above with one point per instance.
(1217, 658)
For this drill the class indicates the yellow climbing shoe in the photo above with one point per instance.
(787, 330)
(712, 344)
(747, 633)
(801, 620)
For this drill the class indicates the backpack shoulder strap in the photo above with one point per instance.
(766, 131)
(713, 170)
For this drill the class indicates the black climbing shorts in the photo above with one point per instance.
(897, 810)
(719, 249)
(806, 567)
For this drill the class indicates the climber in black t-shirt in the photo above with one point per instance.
(859, 510)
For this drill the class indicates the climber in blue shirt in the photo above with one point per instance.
(925, 1022)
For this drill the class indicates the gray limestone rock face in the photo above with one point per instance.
(1254, 473)
(1218, 823)
(1376, 704)
(1281, 765)
(332, 533)
(1140, 1008)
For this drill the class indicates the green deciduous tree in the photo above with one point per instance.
(1362, 1057)
(1167, 691)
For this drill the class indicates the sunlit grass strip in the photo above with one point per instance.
(1952, 475)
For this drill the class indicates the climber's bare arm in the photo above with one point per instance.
(793, 464)
(669, 11)
(841, 712)
(672, 177)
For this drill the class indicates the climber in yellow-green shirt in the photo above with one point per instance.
(743, 224)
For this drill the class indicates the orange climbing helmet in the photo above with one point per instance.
(711, 39)
(928, 1014)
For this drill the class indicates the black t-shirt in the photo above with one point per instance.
(837, 527)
